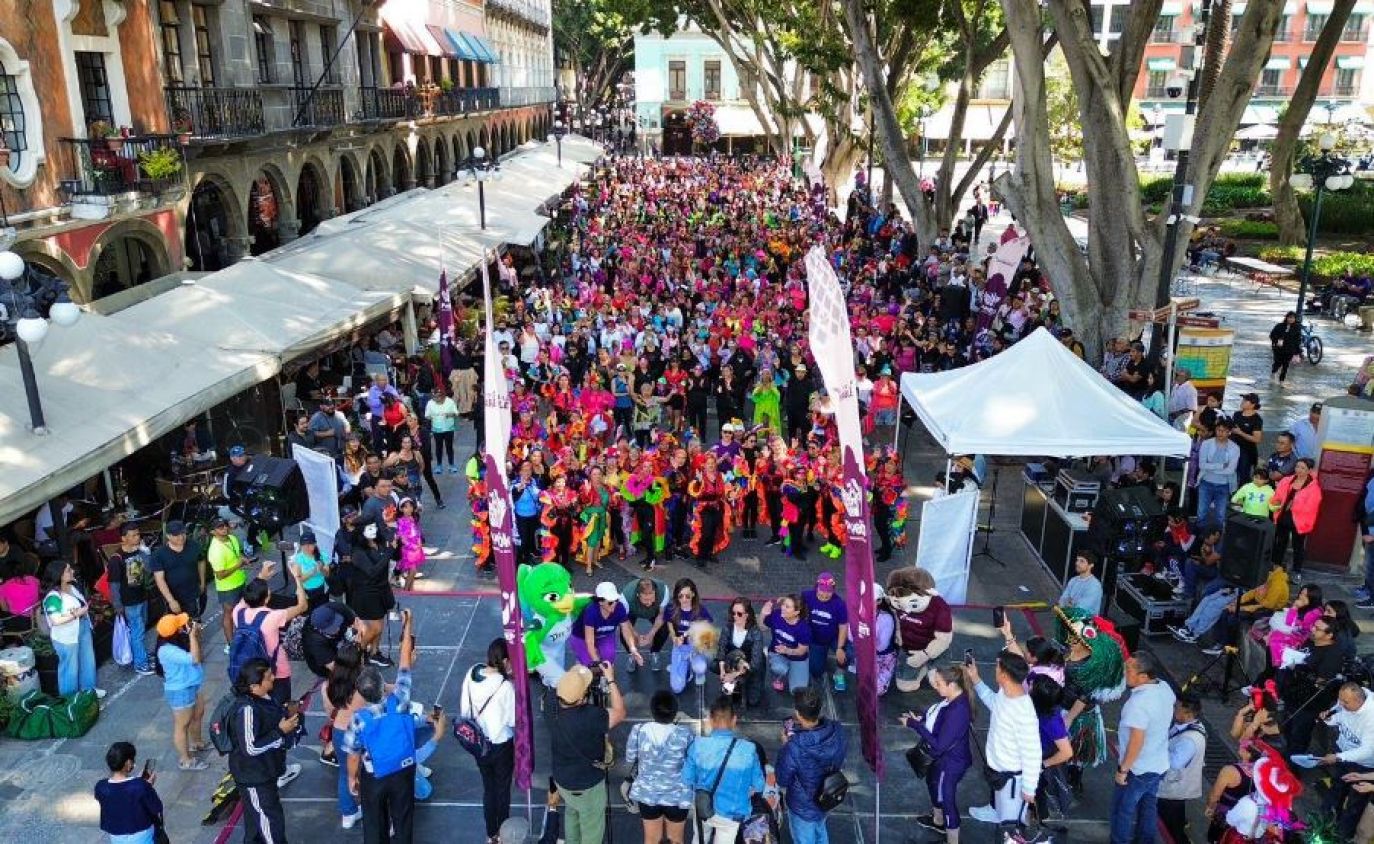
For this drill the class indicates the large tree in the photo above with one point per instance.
(1125, 247)
(1286, 212)
(596, 38)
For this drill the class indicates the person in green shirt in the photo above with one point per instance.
(227, 563)
(768, 403)
(1253, 498)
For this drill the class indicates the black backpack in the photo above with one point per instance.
(834, 788)
(220, 736)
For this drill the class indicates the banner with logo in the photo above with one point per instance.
(1001, 270)
(834, 353)
(496, 400)
(444, 302)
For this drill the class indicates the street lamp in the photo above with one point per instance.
(1325, 172)
(24, 296)
(481, 170)
(559, 130)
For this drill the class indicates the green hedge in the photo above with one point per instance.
(1230, 190)
(1326, 266)
(1282, 254)
(1344, 212)
(1249, 229)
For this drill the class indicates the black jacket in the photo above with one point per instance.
(259, 754)
(1286, 339)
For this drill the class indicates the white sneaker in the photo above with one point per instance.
(293, 770)
(986, 814)
(424, 770)
(349, 821)
(393, 616)
(99, 694)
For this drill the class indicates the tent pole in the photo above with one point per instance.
(877, 811)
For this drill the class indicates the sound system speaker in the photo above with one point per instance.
(1245, 547)
(271, 492)
(1129, 629)
(1125, 523)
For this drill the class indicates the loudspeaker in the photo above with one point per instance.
(272, 493)
(1245, 547)
(1129, 629)
(1125, 522)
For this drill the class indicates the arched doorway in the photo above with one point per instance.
(400, 170)
(424, 166)
(677, 134)
(126, 260)
(376, 176)
(309, 199)
(458, 154)
(208, 220)
(484, 141)
(472, 144)
(443, 172)
(347, 194)
(264, 214)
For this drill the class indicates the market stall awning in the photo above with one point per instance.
(461, 45)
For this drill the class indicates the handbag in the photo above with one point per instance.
(921, 758)
(834, 788)
(121, 649)
(468, 730)
(703, 801)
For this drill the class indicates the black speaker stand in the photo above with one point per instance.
(990, 528)
(1228, 661)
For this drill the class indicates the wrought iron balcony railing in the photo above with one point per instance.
(214, 113)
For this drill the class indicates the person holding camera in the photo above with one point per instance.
(380, 744)
(489, 698)
(130, 810)
(261, 731)
(579, 734)
(813, 747)
(179, 655)
(1013, 756)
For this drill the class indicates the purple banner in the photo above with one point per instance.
(446, 333)
(1001, 270)
(496, 400)
(833, 350)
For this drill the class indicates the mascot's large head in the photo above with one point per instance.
(1103, 673)
(546, 594)
(910, 589)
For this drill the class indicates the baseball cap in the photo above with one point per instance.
(1316, 407)
(572, 686)
(825, 580)
(169, 624)
(237, 451)
(606, 591)
(327, 620)
(219, 522)
(307, 538)
(176, 527)
(370, 530)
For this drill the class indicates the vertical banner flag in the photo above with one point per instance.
(446, 326)
(1001, 270)
(834, 353)
(496, 401)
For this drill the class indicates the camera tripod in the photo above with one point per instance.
(990, 528)
(1228, 660)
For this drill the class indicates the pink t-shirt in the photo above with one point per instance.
(271, 633)
(18, 595)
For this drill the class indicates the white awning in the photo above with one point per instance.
(1163, 63)
(1278, 63)
(1171, 10)
(980, 122)
(1320, 7)
(1349, 62)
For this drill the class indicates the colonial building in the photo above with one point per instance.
(148, 137)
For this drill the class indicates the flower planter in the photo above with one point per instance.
(184, 138)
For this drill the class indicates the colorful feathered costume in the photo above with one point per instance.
(1096, 678)
(481, 524)
(558, 536)
(650, 520)
(711, 496)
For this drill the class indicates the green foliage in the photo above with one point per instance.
(1156, 190)
(160, 163)
(1282, 254)
(1343, 212)
(1249, 229)
(1333, 264)
(1229, 191)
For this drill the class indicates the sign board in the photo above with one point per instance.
(1206, 354)
(1346, 437)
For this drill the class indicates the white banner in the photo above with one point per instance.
(946, 542)
(322, 485)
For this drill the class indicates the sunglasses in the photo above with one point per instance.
(739, 613)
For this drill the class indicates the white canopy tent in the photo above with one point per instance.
(1036, 398)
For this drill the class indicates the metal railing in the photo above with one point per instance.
(1272, 90)
(1156, 92)
(1166, 36)
(1283, 36)
(324, 108)
(386, 103)
(1356, 34)
(463, 101)
(526, 96)
(1345, 90)
(111, 166)
(215, 112)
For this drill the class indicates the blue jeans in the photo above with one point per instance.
(76, 663)
(348, 805)
(1133, 809)
(796, 671)
(808, 832)
(818, 657)
(136, 616)
(1209, 496)
(1194, 572)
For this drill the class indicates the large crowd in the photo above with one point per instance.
(664, 406)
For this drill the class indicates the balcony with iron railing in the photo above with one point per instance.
(521, 11)
(1156, 92)
(527, 96)
(1167, 36)
(1273, 90)
(321, 109)
(1283, 36)
(107, 167)
(215, 113)
(1354, 34)
(1349, 90)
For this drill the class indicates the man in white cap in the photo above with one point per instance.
(578, 730)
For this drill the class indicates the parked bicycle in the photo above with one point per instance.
(1312, 347)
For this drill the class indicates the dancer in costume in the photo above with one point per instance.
(558, 537)
(645, 495)
(767, 403)
(594, 532)
(712, 522)
(679, 504)
(889, 503)
(1094, 674)
(796, 496)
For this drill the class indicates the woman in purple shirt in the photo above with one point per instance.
(788, 651)
(686, 609)
(594, 631)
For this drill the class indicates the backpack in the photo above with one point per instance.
(248, 643)
(292, 641)
(220, 736)
(834, 788)
(389, 739)
(468, 730)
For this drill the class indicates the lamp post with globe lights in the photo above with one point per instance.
(481, 170)
(559, 130)
(1324, 172)
(25, 294)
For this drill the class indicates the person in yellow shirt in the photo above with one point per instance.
(1253, 498)
(1262, 601)
(227, 563)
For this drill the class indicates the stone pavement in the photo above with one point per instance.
(45, 787)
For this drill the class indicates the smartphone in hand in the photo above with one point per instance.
(148, 768)
(968, 656)
(999, 617)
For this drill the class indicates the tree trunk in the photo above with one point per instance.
(841, 154)
(1218, 33)
(1287, 215)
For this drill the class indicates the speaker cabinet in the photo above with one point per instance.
(271, 492)
(1245, 547)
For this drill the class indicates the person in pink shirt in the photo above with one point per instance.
(254, 607)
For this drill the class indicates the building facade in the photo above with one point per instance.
(183, 135)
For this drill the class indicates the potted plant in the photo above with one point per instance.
(182, 126)
(446, 85)
(160, 163)
(44, 661)
(107, 132)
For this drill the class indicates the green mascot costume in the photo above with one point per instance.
(548, 605)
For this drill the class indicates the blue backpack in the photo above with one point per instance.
(389, 739)
(248, 643)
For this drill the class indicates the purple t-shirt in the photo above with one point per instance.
(682, 619)
(1052, 729)
(825, 617)
(788, 634)
(601, 625)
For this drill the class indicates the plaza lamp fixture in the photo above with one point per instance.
(482, 170)
(29, 299)
(556, 137)
(1323, 172)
